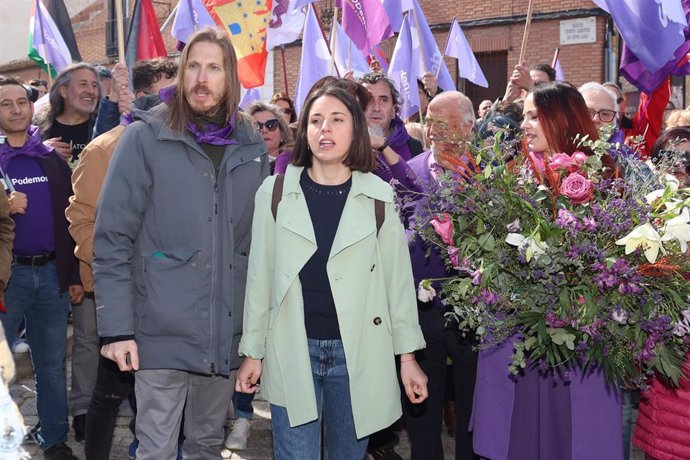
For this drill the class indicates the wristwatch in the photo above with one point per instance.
(385, 144)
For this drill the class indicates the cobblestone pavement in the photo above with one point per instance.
(259, 446)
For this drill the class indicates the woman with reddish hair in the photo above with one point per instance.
(541, 414)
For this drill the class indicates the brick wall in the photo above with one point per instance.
(442, 11)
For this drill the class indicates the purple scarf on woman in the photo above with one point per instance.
(209, 133)
(33, 147)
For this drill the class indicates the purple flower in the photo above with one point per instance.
(554, 321)
(620, 316)
(453, 255)
(486, 297)
(627, 287)
(648, 352)
(565, 219)
(514, 226)
(476, 277)
(589, 224)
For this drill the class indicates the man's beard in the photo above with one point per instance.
(211, 112)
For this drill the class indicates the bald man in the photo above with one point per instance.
(450, 117)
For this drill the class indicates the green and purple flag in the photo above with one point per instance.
(46, 45)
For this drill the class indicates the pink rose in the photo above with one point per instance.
(560, 161)
(578, 188)
(444, 227)
(453, 256)
(579, 158)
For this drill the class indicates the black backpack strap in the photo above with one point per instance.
(277, 194)
(380, 213)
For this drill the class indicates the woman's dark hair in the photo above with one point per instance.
(668, 139)
(359, 157)
(563, 114)
(356, 90)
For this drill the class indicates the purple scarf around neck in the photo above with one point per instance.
(398, 139)
(210, 133)
(33, 147)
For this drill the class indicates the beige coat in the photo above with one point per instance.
(371, 281)
(87, 180)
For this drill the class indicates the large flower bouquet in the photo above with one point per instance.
(583, 268)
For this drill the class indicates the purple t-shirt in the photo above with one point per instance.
(34, 230)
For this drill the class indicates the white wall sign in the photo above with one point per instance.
(581, 30)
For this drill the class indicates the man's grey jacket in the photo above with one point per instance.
(171, 244)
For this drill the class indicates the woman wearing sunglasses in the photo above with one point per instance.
(273, 128)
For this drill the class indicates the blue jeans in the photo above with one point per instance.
(242, 404)
(334, 407)
(33, 293)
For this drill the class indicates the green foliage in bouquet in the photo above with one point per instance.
(586, 269)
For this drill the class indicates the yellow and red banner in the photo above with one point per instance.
(246, 21)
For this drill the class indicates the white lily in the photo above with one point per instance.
(535, 247)
(670, 182)
(679, 229)
(644, 236)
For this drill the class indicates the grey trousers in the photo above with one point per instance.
(85, 355)
(162, 395)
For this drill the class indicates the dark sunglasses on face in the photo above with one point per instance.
(606, 116)
(270, 125)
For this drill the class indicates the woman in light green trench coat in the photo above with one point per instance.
(330, 299)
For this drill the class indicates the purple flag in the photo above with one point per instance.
(403, 70)
(347, 56)
(316, 58)
(395, 13)
(657, 39)
(431, 58)
(250, 96)
(366, 22)
(191, 16)
(458, 47)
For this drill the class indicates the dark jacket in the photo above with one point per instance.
(426, 262)
(58, 173)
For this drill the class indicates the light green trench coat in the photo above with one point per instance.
(373, 289)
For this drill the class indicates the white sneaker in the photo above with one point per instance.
(20, 346)
(237, 438)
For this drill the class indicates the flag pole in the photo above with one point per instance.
(332, 42)
(39, 15)
(525, 35)
(555, 57)
(120, 31)
(285, 80)
(443, 53)
(349, 54)
(170, 18)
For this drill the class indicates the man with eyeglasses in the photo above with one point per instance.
(601, 102)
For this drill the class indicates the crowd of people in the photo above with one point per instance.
(205, 250)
